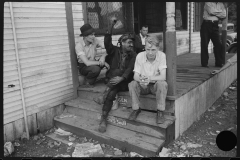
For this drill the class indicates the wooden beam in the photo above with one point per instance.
(224, 36)
(171, 48)
(71, 40)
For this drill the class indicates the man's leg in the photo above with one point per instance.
(91, 72)
(107, 106)
(160, 90)
(135, 89)
(205, 38)
(219, 59)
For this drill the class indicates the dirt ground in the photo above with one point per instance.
(198, 141)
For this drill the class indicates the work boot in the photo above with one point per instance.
(101, 99)
(134, 114)
(103, 123)
(160, 117)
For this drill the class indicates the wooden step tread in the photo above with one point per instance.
(115, 136)
(121, 112)
(99, 87)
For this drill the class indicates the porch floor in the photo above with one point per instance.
(191, 74)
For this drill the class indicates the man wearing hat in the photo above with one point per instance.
(86, 51)
(120, 73)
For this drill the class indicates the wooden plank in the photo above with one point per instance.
(29, 45)
(11, 94)
(26, 25)
(38, 10)
(37, 5)
(154, 131)
(39, 34)
(9, 132)
(32, 124)
(118, 137)
(144, 117)
(71, 40)
(41, 39)
(19, 127)
(40, 29)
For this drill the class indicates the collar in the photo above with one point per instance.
(142, 36)
(156, 59)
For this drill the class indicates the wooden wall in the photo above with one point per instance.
(189, 107)
(44, 56)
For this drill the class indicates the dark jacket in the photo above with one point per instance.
(114, 58)
(138, 44)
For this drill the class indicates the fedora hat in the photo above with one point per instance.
(86, 30)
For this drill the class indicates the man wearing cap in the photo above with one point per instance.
(86, 51)
(149, 78)
(119, 75)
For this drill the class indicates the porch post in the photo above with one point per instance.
(224, 35)
(71, 41)
(171, 48)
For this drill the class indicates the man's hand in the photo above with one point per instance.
(116, 80)
(144, 80)
(102, 61)
(107, 65)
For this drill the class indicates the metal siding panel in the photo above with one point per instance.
(42, 36)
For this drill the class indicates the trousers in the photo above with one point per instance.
(159, 89)
(114, 89)
(90, 72)
(210, 31)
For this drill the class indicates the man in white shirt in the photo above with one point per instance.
(140, 39)
(149, 77)
(86, 51)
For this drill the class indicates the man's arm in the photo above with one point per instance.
(162, 76)
(130, 67)
(212, 11)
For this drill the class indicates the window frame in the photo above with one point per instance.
(128, 19)
(184, 17)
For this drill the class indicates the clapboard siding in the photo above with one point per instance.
(13, 93)
(44, 56)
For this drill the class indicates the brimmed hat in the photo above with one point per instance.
(86, 30)
(125, 37)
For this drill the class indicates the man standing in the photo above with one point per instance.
(86, 51)
(213, 12)
(149, 77)
(140, 39)
(119, 75)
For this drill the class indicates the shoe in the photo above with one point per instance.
(219, 65)
(160, 117)
(134, 114)
(103, 123)
(101, 99)
(87, 85)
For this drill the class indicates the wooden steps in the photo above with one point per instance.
(148, 101)
(118, 137)
(147, 137)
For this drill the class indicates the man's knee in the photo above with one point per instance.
(95, 69)
(162, 84)
(132, 85)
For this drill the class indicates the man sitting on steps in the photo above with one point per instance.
(119, 75)
(149, 77)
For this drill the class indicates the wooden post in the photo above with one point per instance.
(171, 48)
(71, 41)
(224, 36)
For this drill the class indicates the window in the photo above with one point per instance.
(198, 15)
(181, 15)
(100, 14)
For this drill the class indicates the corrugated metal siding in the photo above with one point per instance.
(42, 38)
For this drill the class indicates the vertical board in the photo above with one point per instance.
(9, 132)
(189, 107)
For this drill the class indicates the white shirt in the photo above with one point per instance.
(146, 68)
(143, 39)
(90, 51)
